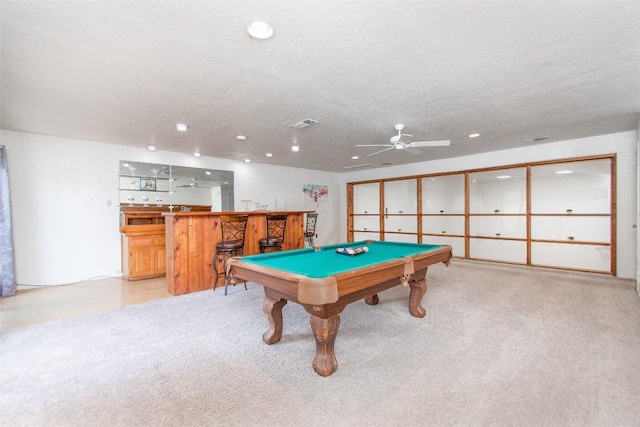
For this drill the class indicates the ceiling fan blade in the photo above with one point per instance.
(412, 150)
(380, 151)
(442, 143)
(374, 145)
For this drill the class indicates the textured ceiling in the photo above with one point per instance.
(127, 72)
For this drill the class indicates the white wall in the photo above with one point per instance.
(65, 230)
(637, 224)
(623, 144)
(64, 201)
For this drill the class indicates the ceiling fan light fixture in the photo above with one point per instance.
(260, 30)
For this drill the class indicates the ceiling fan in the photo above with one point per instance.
(193, 184)
(402, 141)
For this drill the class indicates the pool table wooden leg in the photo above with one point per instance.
(273, 309)
(325, 331)
(372, 300)
(418, 289)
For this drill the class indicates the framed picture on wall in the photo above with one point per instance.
(315, 193)
(148, 184)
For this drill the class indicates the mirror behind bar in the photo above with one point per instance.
(146, 185)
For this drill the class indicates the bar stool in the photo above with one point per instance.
(231, 244)
(276, 225)
(310, 230)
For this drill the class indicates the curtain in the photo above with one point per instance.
(7, 267)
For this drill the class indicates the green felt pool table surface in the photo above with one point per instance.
(326, 262)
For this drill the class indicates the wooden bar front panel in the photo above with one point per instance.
(191, 238)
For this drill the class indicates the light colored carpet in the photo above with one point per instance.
(499, 346)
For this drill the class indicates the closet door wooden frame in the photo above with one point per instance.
(529, 216)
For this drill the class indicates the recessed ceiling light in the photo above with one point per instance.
(503, 176)
(565, 171)
(241, 138)
(196, 153)
(355, 157)
(295, 148)
(208, 172)
(152, 147)
(247, 160)
(474, 135)
(269, 154)
(260, 30)
(182, 127)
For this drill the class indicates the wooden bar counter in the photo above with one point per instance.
(191, 243)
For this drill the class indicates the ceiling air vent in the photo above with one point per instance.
(538, 139)
(363, 165)
(304, 123)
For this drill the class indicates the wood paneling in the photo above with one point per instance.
(191, 238)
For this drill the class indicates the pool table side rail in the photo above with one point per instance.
(350, 282)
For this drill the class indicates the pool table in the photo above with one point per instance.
(324, 281)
